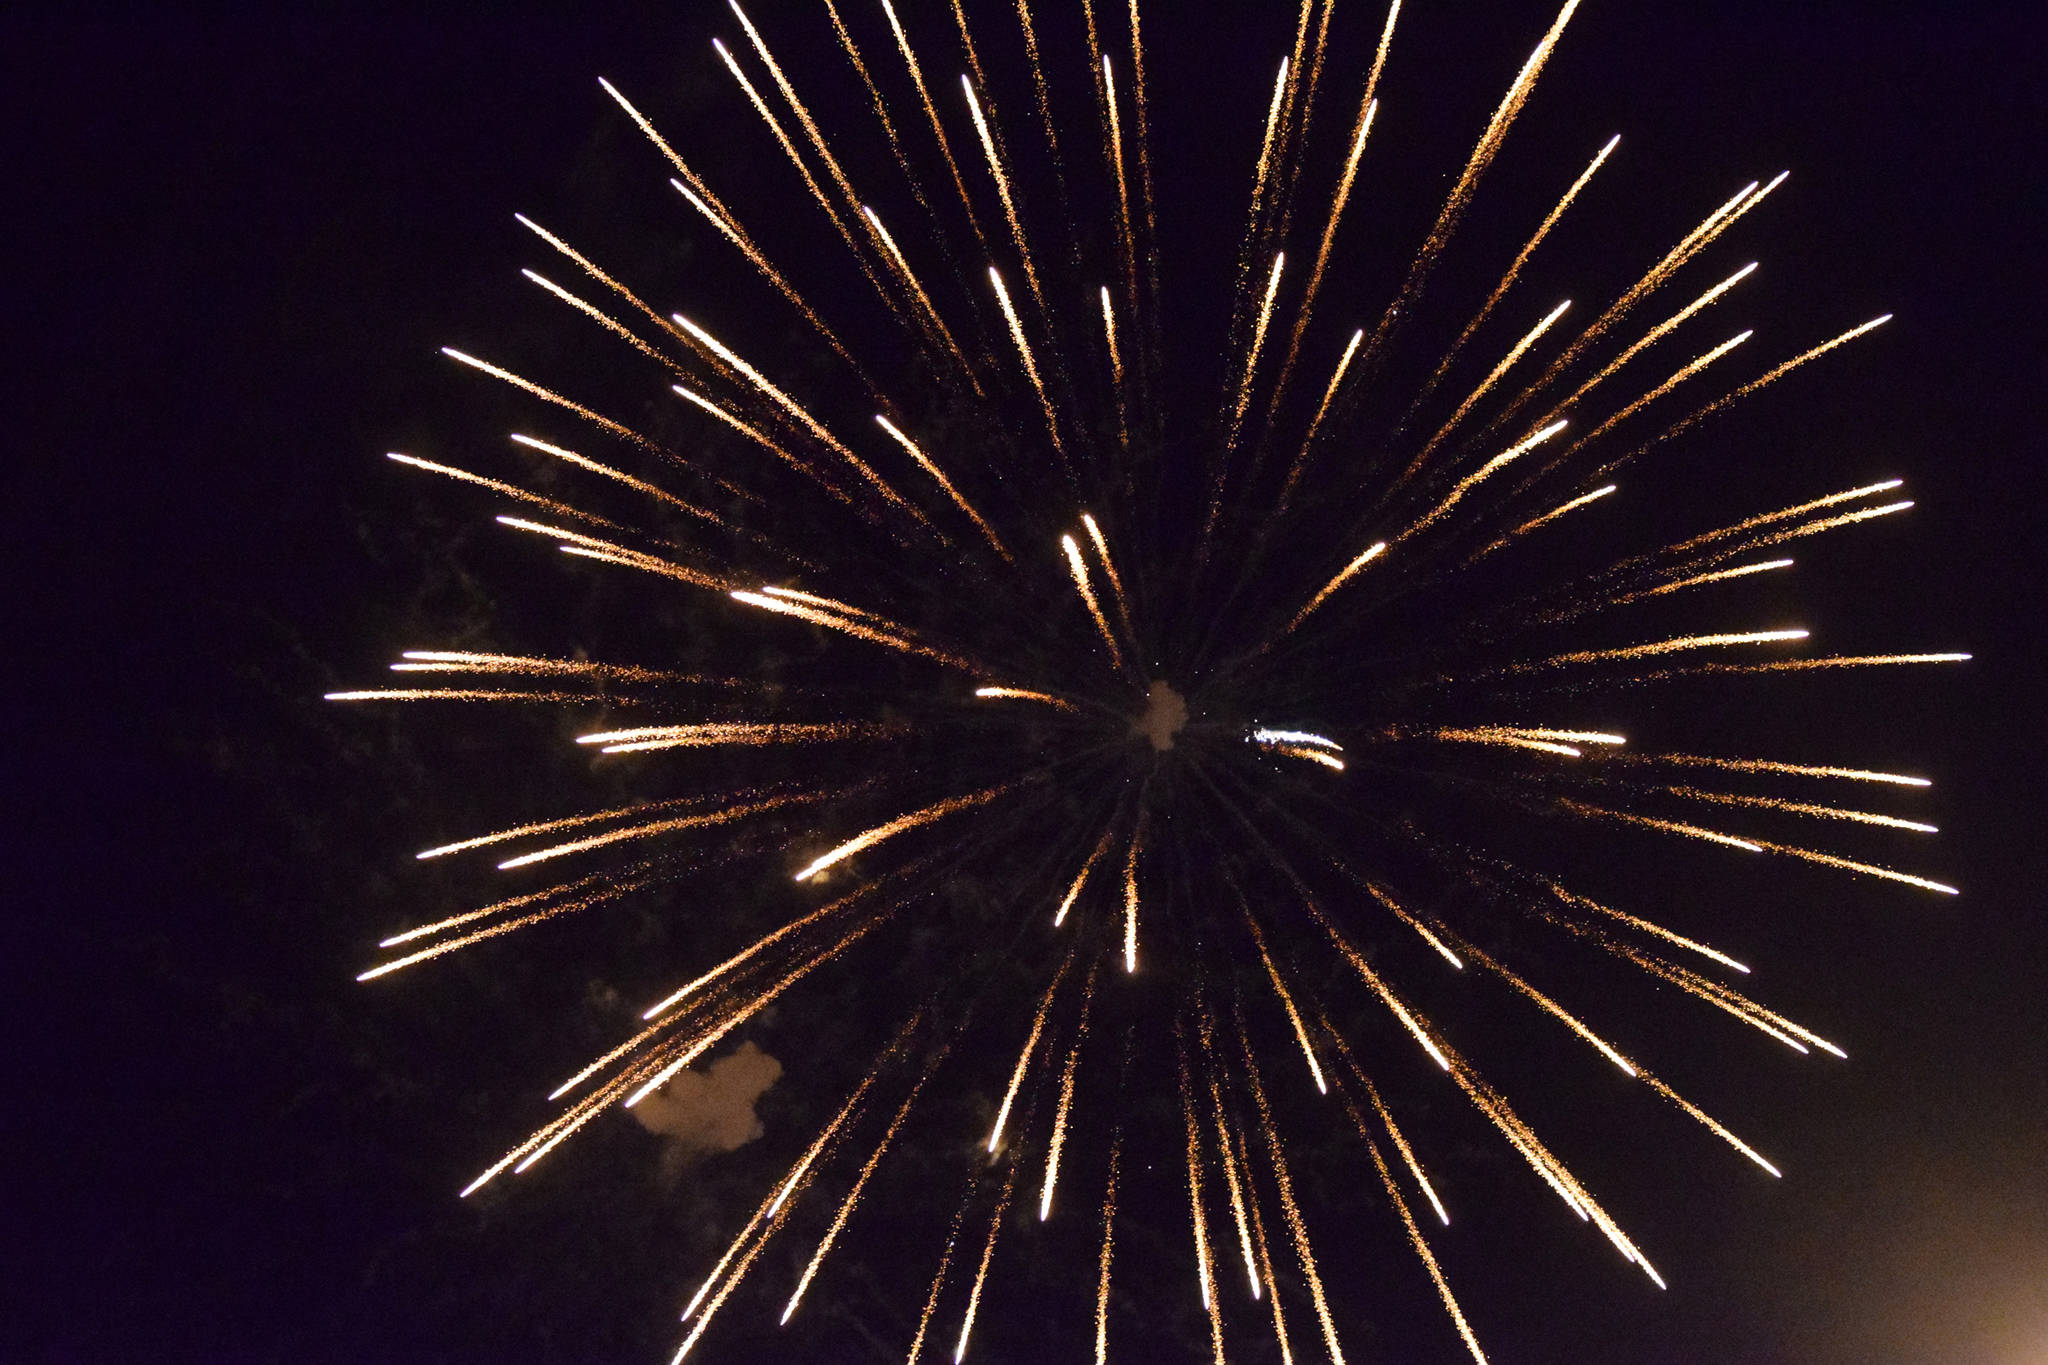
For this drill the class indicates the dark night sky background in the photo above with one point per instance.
(241, 239)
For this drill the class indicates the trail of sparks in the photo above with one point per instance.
(1288, 1207)
(995, 1134)
(1343, 576)
(712, 734)
(1081, 877)
(498, 486)
(1078, 567)
(902, 823)
(1131, 897)
(852, 1199)
(1116, 582)
(1436, 1273)
(925, 463)
(1025, 694)
(834, 621)
(1802, 808)
(988, 1251)
(1108, 1250)
(1204, 1262)
(1251, 359)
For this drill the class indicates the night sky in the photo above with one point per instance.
(242, 240)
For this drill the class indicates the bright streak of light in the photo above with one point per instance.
(1787, 513)
(1758, 765)
(543, 827)
(889, 830)
(1552, 515)
(1754, 637)
(1668, 826)
(717, 733)
(1108, 1248)
(1867, 869)
(1116, 582)
(652, 828)
(1802, 808)
(496, 486)
(1436, 1273)
(1516, 352)
(1078, 567)
(1293, 1015)
(1251, 360)
(833, 621)
(448, 694)
(847, 1205)
(1023, 694)
(1059, 1132)
(1712, 1125)
(1288, 1207)
(988, 1251)
(1204, 1266)
(1052, 425)
(995, 1135)
(1697, 579)
(1648, 927)
(1479, 475)
(931, 313)
(1081, 877)
(1836, 661)
(1371, 552)
(924, 462)
(1328, 760)
(1400, 912)
(1296, 737)
(1131, 899)
(1231, 1177)
(1329, 393)
(1553, 1009)
(995, 168)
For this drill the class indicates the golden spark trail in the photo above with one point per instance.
(1782, 514)
(939, 476)
(1296, 737)
(1772, 375)
(465, 661)
(1295, 1225)
(1731, 1002)
(1393, 1129)
(649, 737)
(1485, 386)
(1367, 107)
(833, 605)
(606, 321)
(620, 552)
(451, 694)
(1436, 1273)
(1311, 755)
(1479, 475)
(676, 997)
(1052, 425)
(1287, 1001)
(543, 827)
(1272, 1294)
(1461, 194)
(1826, 524)
(902, 823)
(1059, 1128)
(709, 818)
(1661, 330)
(1550, 1007)
(1507, 281)
(763, 440)
(1108, 1247)
(995, 1134)
(1379, 987)
(590, 267)
(931, 312)
(1867, 869)
(881, 106)
(1116, 373)
(847, 1205)
(1802, 808)
(1316, 422)
(1079, 569)
(1831, 661)
(938, 130)
(604, 471)
(988, 1251)
(1022, 694)
(1002, 179)
(850, 627)
(1236, 1184)
(1698, 579)
(1685, 372)
(598, 420)
(1251, 360)
(1508, 734)
(1116, 582)
(1081, 878)
(1684, 642)
(1144, 140)
(1668, 826)
(796, 410)
(645, 563)
(1379, 894)
(1125, 240)
(1131, 896)
(1372, 552)
(803, 114)
(1647, 926)
(1264, 171)
(1758, 765)
(1713, 1126)
(1204, 1263)
(1550, 516)
(610, 889)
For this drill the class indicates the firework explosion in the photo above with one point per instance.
(1154, 732)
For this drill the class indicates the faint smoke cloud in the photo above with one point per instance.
(710, 1111)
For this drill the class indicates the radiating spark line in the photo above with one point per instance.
(995, 1134)
(1081, 877)
(1482, 156)
(1287, 1002)
(483, 912)
(1758, 765)
(1311, 755)
(1131, 896)
(1002, 179)
(542, 827)
(1079, 569)
(676, 997)
(1550, 516)
(1116, 372)
(1116, 582)
(1108, 1249)
(1656, 333)
(847, 1205)
(1648, 927)
(1225, 1145)
(1785, 514)
(645, 563)
(1052, 425)
(1867, 869)
(1400, 912)
(1393, 1129)
(1712, 1125)
(1251, 359)
(603, 470)
(577, 542)
(605, 320)
(496, 486)
(1436, 1273)
(652, 828)
(1831, 661)
(1697, 579)
(833, 621)
(1296, 737)
(1371, 552)
(924, 462)
(1378, 987)
(1144, 141)
(1265, 163)
(938, 130)
(1366, 108)
(1777, 372)
(1827, 524)
(881, 106)
(1515, 734)
(467, 661)
(765, 441)
(596, 419)
(650, 737)
(1024, 694)
(1288, 1207)
(1479, 475)
(451, 694)
(1514, 271)
(1272, 1286)
(931, 312)
(1684, 642)
(988, 1251)
(1322, 410)
(614, 888)
(796, 410)
(1551, 1008)
(1125, 240)
(1684, 372)
(1802, 808)
(931, 1302)
(890, 829)
(1516, 352)
(1730, 1002)
(1204, 1269)
(591, 268)
(1059, 1121)
(1668, 826)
